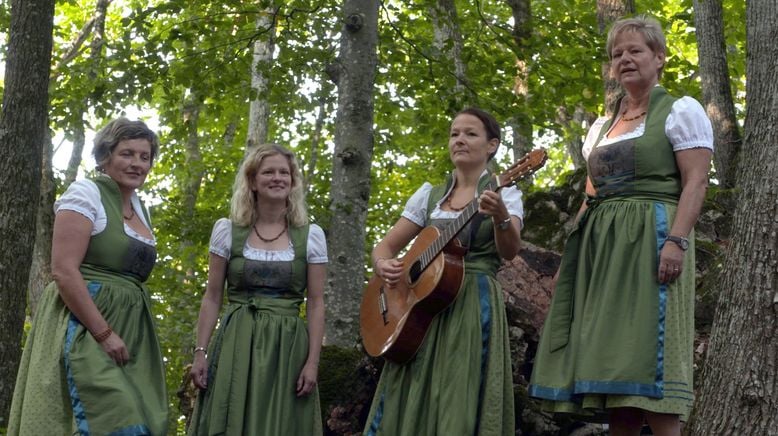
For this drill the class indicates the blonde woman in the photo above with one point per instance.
(259, 375)
(617, 343)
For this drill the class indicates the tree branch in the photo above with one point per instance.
(75, 48)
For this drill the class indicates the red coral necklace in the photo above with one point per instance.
(266, 240)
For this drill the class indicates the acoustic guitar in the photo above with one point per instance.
(393, 321)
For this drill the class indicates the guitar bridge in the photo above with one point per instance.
(382, 304)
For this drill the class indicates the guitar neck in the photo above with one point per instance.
(451, 230)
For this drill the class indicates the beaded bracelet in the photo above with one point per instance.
(102, 336)
(199, 349)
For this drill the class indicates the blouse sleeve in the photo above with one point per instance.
(591, 137)
(511, 196)
(416, 207)
(82, 196)
(317, 245)
(688, 126)
(221, 238)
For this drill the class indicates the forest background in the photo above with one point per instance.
(363, 92)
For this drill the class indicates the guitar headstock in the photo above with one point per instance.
(528, 164)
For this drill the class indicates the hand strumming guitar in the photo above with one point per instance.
(390, 270)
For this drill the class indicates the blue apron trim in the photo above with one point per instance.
(79, 414)
(661, 235)
(133, 430)
(379, 414)
(486, 320)
(595, 387)
(550, 393)
(614, 387)
(486, 330)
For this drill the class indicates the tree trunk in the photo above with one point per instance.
(740, 375)
(93, 70)
(521, 124)
(572, 137)
(447, 41)
(195, 171)
(40, 269)
(352, 158)
(22, 134)
(609, 11)
(259, 109)
(76, 155)
(716, 89)
(228, 137)
(309, 168)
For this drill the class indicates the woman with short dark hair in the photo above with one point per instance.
(460, 380)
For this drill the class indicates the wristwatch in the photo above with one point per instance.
(504, 224)
(680, 241)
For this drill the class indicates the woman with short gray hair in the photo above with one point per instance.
(92, 363)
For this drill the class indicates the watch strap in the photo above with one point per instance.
(504, 224)
(680, 241)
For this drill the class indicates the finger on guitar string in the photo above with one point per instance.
(390, 270)
(491, 203)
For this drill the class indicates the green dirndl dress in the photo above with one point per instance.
(259, 350)
(615, 336)
(460, 381)
(66, 383)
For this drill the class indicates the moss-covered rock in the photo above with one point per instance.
(549, 213)
(347, 381)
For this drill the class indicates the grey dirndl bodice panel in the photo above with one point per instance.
(641, 165)
(273, 279)
(268, 278)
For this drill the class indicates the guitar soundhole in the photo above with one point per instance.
(415, 272)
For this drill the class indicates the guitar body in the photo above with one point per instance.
(394, 321)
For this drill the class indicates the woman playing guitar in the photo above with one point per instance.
(459, 381)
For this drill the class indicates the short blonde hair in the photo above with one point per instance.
(244, 200)
(647, 26)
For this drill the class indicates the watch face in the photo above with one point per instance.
(681, 242)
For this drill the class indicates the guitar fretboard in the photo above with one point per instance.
(451, 230)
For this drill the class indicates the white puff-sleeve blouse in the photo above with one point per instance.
(221, 244)
(83, 196)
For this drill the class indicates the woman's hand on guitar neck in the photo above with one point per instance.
(390, 270)
(491, 203)
(507, 233)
